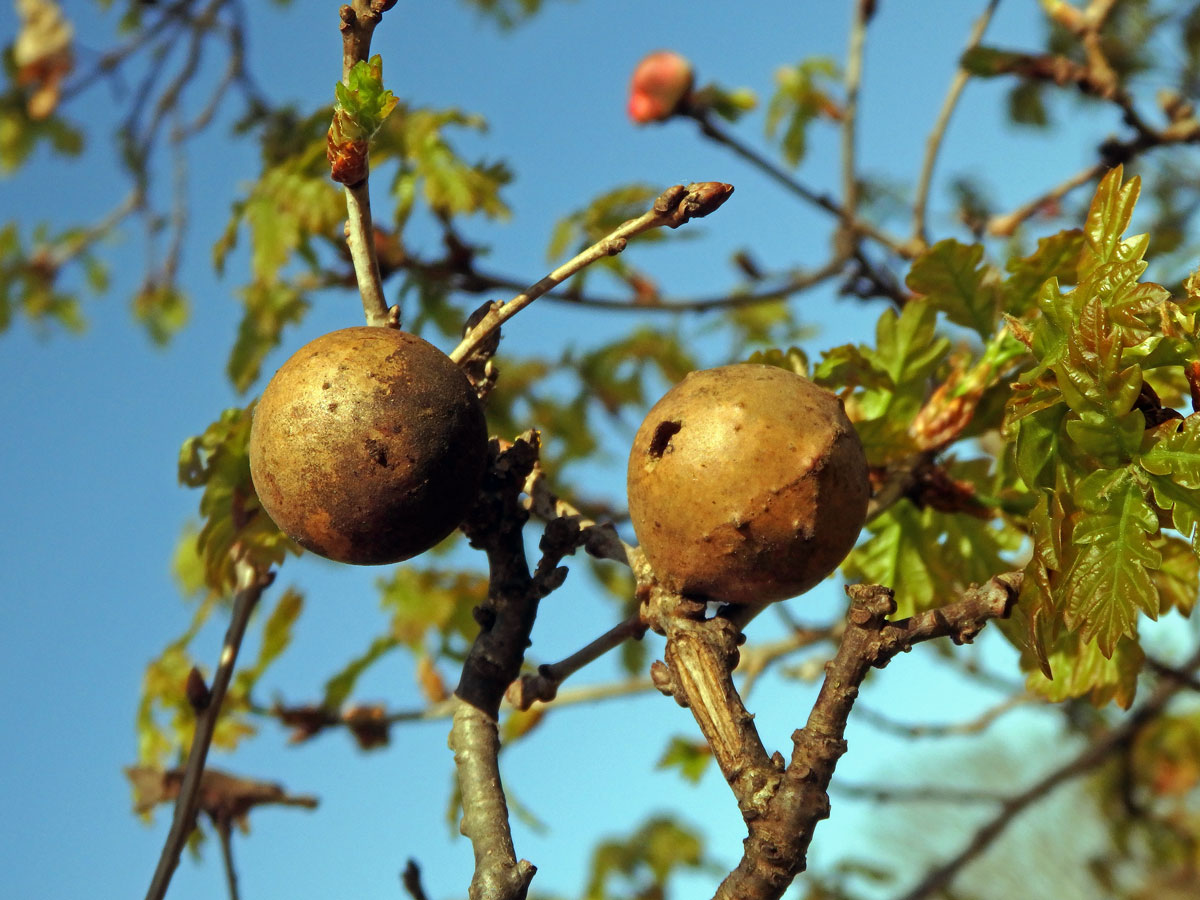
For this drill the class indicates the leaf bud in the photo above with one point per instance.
(660, 85)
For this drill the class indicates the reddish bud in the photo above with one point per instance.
(661, 82)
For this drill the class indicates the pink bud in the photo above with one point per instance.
(661, 82)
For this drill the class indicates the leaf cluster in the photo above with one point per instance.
(1113, 471)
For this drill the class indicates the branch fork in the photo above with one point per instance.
(781, 805)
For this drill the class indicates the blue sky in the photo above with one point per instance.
(92, 427)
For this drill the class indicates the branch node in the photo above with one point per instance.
(664, 683)
(870, 604)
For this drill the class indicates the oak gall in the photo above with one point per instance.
(747, 484)
(368, 446)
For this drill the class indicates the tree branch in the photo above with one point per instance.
(543, 685)
(933, 143)
(915, 793)
(700, 657)
(224, 832)
(714, 132)
(358, 23)
(1092, 756)
(974, 726)
(600, 539)
(251, 584)
(493, 662)
(675, 206)
(475, 740)
(411, 879)
(853, 80)
(776, 849)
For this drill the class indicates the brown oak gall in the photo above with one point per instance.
(747, 484)
(368, 446)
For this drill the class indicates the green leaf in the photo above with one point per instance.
(1082, 668)
(794, 359)
(1112, 441)
(20, 134)
(268, 307)
(520, 722)
(689, 756)
(902, 554)
(362, 101)
(954, 280)
(218, 461)
(1177, 578)
(339, 685)
(1025, 104)
(1181, 503)
(163, 309)
(276, 635)
(906, 346)
(585, 226)
(432, 601)
(506, 13)
(988, 62)
(728, 103)
(289, 205)
(798, 99)
(1037, 444)
(1056, 257)
(187, 563)
(430, 167)
(1109, 578)
(1107, 219)
(1176, 455)
(645, 860)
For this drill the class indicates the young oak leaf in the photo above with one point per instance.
(431, 168)
(690, 757)
(902, 553)
(1056, 257)
(1173, 466)
(954, 279)
(1107, 219)
(1176, 455)
(1109, 579)
(800, 98)
(1081, 668)
(1177, 578)
(362, 105)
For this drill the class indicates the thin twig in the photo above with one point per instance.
(543, 685)
(674, 207)
(225, 833)
(411, 879)
(81, 240)
(475, 740)
(915, 793)
(973, 726)
(933, 143)
(251, 584)
(1092, 756)
(853, 81)
(710, 129)
(600, 539)
(794, 283)
(357, 27)
(756, 660)
(361, 242)
(1005, 225)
